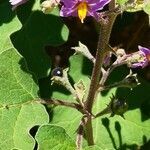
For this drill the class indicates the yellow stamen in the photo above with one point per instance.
(82, 10)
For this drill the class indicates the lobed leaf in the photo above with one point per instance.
(19, 111)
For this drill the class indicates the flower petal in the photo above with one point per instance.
(96, 5)
(70, 7)
(65, 12)
(145, 50)
(16, 3)
(93, 14)
(69, 3)
(140, 64)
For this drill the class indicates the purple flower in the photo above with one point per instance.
(16, 3)
(140, 58)
(82, 8)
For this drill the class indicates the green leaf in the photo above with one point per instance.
(116, 132)
(38, 30)
(19, 111)
(51, 137)
(95, 147)
(135, 6)
(147, 8)
(121, 2)
(9, 23)
(109, 132)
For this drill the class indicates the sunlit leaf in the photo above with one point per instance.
(19, 111)
(50, 137)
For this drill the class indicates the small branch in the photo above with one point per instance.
(62, 103)
(64, 80)
(82, 49)
(103, 112)
(80, 133)
(108, 72)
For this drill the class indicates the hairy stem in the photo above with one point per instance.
(80, 133)
(89, 131)
(57, 102)
(105, 31)
(94, 83)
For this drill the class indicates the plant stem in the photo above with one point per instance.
(103, 39)
(105, 31)
(57, 102)
(89, 131)
(109, 71)
(80, 133)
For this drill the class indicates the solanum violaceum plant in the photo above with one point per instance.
(84, 97)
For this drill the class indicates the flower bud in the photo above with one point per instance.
(48, 5)
(139, 59)
(120, 52)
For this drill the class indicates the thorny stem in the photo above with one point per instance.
(105, 31)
